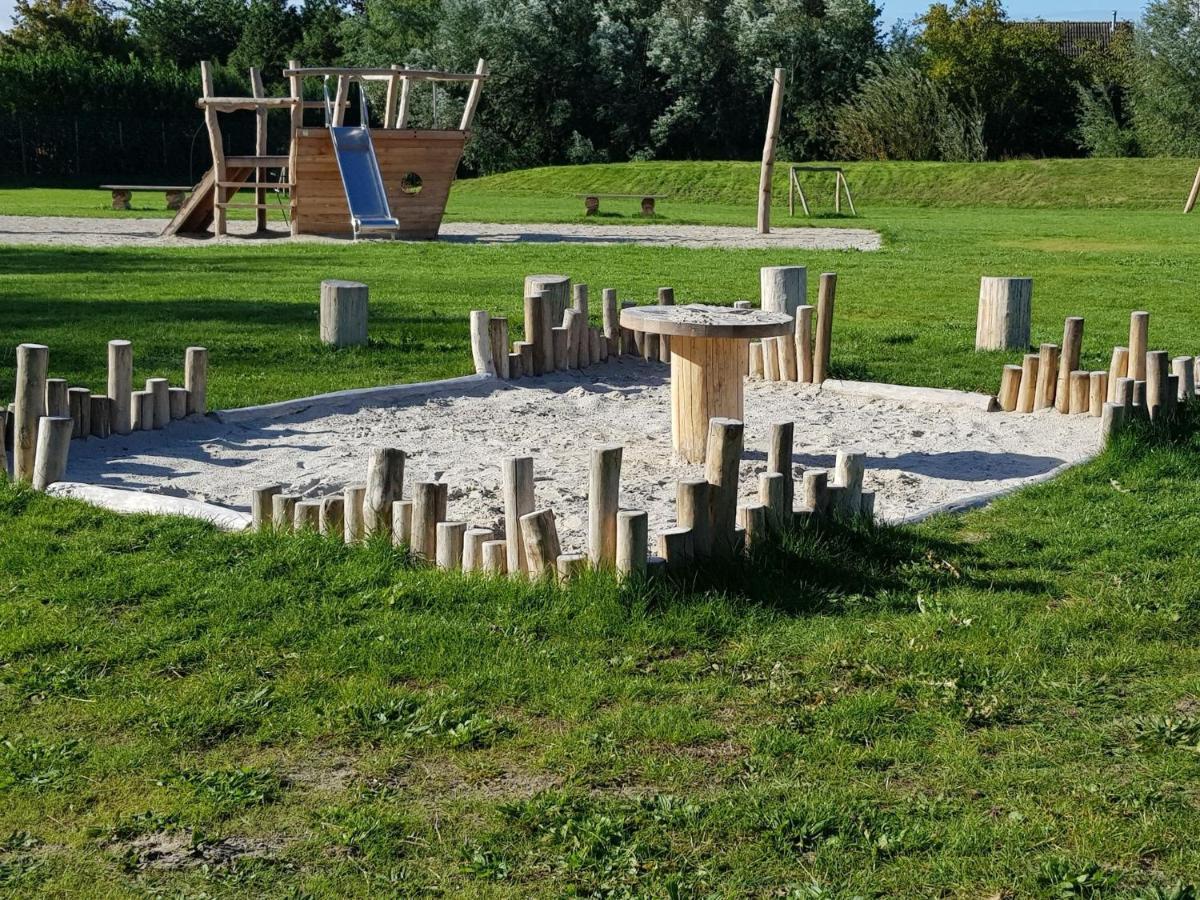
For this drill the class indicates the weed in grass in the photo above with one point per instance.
(34, 764)
(225, 791)
(1167, 731)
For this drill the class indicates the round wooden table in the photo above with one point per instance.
(709, 350)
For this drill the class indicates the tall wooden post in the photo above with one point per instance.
(260, 148)
(120, 385)
(195, 379)
(1069, 361)
(32, 362)
(217, 148)
(296, 82)
(825, 297)
(768, 158)
(385, 485)
(604, 491)
(518, 501)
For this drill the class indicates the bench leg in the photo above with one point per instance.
(120, 199)
(591, 205)
(174, 199)
(648, 207)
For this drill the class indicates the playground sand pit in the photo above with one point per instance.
(921, 455)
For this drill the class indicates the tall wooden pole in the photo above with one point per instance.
(32, 361)
(604, 489)
(768, 158)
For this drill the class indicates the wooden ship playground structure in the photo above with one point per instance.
(342, 180)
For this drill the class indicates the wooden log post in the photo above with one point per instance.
(1097, 393)
(604, 492)
(1139, 401)
(692, 511)
(558, 287)
(783, 289)
(768, 158)
(495, 557)
(539, 534)
(449, 542)
(848, 475)
(473, 541)
(650, 347)
(120, 385)
(582, 320)
(752, 519)
(1112, 419)
(58, 404)
(100, 416)
(343, 313)
(756, 360)
(528, 360)
(722, 462)
(429, 508)
(1139, 331)
(1184, 368)
(143, 410)
(772, 494)
(514, 365)
(1118, 367)
(1068, 362)
(177, 401)
(1156, 384)
(352, 511)
(632, 541)
(79, 402)
(561, 337)
(803, 341)
(385, 485)
(1172, 394)
(160, 392)
(402, 523)
(498, 337)
(518, 502)
(1124, 394)
(570, 566)
(537, 335)
(770, 359)
(1027, 391)
(1010, 384)
(332, 518)
(262, 500)
(1078, 387)
(574, 336)
(779, 458)
(611, 318)
(816, 492)
(283, 512)
(826, 293)
(666, 297)
(676, 547)
(53, 447)
(1047, 376)
(308, 516)
(481, 342)
(596, 344)
(1004, 315)
(195, 380)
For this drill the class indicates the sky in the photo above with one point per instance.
(907, 9)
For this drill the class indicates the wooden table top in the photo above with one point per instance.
(697, 320)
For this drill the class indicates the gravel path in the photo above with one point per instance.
(91, 232)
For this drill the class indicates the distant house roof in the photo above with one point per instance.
(1076, 37)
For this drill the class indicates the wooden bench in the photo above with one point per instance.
(121, 193)
(591, 202)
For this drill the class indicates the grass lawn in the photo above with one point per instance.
(1004, 704)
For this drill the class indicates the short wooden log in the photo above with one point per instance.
(352, 511)
(58, 403)
(143, 410)
(1010, 384)
(742, 304)
(79, 402)
(449, 541)
(178, 402)
(262, 500)
(120, 385)
(540, 342)
(540, 536)
(632, 541)
(779, 457)
(1068, 362)
(1139, 400)
(1139, 331)
(604, 493)
(385, 485)
(611, 320)
(343, 313)
(1124, 393)
(333, 516)
(848, 475)
(429, 508)
(498, 335)
(1118, 367)
(803, 340)
(514, 366)
(1078, 388)
(1047, 376)
(561, 337)
(473, 541)
(783, 289)
(868, 505)
(826, 294)
(1156, 384)
(528, 364)
(1172, 393)
(676, 547)
(1097, 393)
(574, 336)
(495, 557)
(1003, 320)
(481, 342)
(53, 447)
(693, 513)
(1027, 390)
(772, 494)
(29, 407)
(570, 566)
(100, 416)
(752, 518)
(195, 380)
(722, 463)
(283, 511)
(1184, 368)
(816, 492)
(1112, 418)
(650, 347)
(770, 354)
(160, 390)
(518, 501)
(308, 516)
(756, 360)
(402, 522)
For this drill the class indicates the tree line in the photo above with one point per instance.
(577, 81)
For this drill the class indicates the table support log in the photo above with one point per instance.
(706, 377)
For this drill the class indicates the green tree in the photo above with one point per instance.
(271, 29)
(188, 31)
(321, 23)
(90, 26)
(1166, 102)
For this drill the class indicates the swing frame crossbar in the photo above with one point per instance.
(840, 186)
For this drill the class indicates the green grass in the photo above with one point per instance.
(995, 704)
(1001, 704)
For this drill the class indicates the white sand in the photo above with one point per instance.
(68, 231)
(919, 455)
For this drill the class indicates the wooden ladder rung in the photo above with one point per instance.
(225, 204)
(255, 184)
(257, 162)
